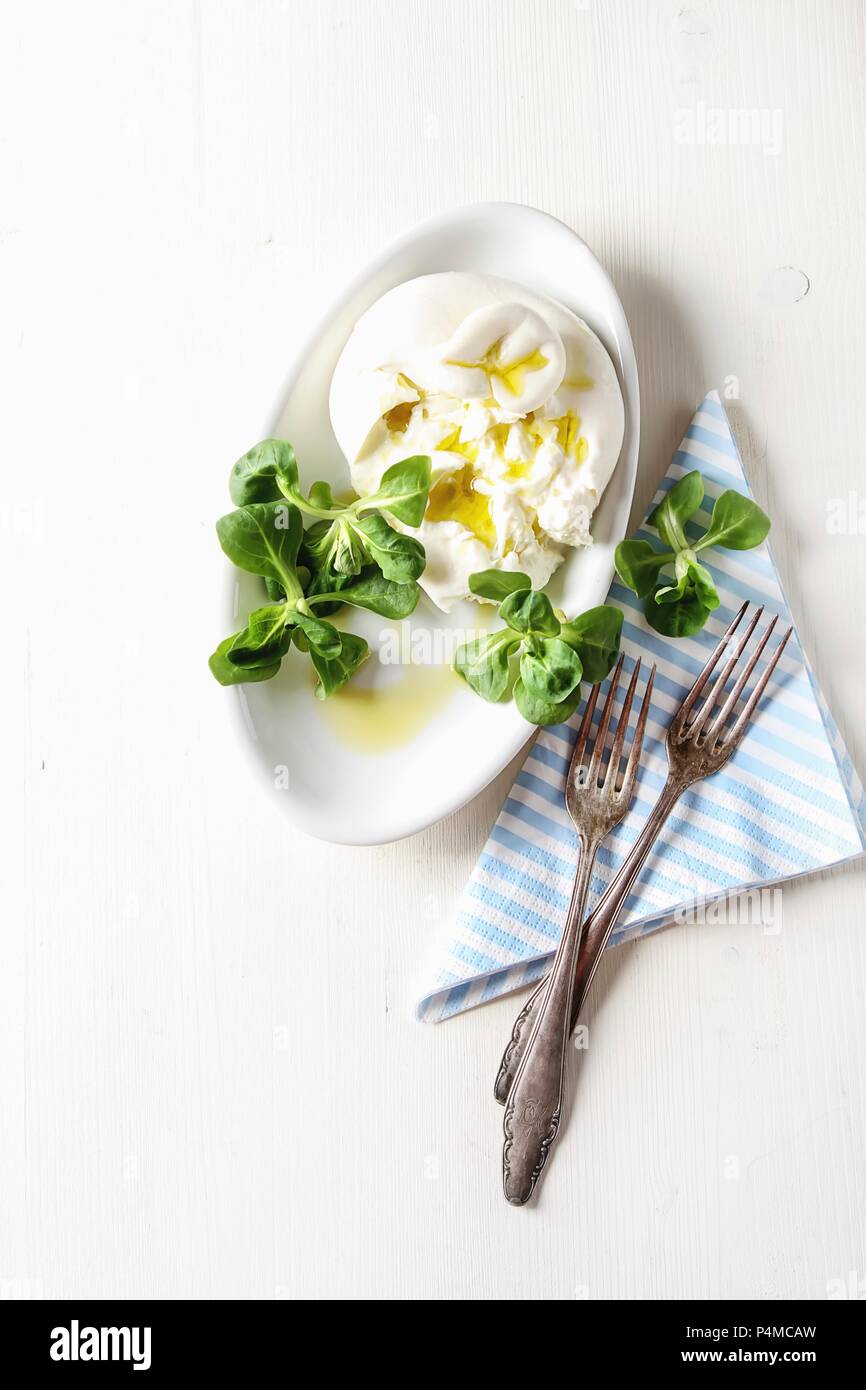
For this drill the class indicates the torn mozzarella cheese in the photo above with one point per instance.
(515, 400)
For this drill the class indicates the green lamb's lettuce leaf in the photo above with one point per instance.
(676, 508)
(321, 637)
(336, 547)
(681, 619)
(670, 593)
(556, 653)
(265, 638)
(483, 663)
(263, 538)
(704, 587)
(371, 590)
(334, 672)
(227, 673)
(274, 590)
(399, 557)
(551, 670)
(595, 636)
(402, 491)
(537, 710)
(681, 606)
(288, 481)
(254, 477)
(638, 565)
(737, 523)
(529, 611)
(496, 585)
(322, 498)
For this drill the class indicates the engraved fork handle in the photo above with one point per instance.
(534, 1103)
(594, 938)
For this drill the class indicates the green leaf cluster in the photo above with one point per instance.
(540, 656)
(350, 554)
(679, 605)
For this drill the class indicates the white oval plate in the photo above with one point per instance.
(341, 773)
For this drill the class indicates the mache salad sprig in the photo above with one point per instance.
(678, 603)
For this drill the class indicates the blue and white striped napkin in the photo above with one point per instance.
(788, 803)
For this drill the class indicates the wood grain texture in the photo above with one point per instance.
(189, 182)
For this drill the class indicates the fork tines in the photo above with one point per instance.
(616, 784)
(713, 734)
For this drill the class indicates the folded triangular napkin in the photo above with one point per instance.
(789, 801)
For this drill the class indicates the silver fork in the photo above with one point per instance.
(596, 800)
(695, 749)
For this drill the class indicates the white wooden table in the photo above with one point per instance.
(211, 1084)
